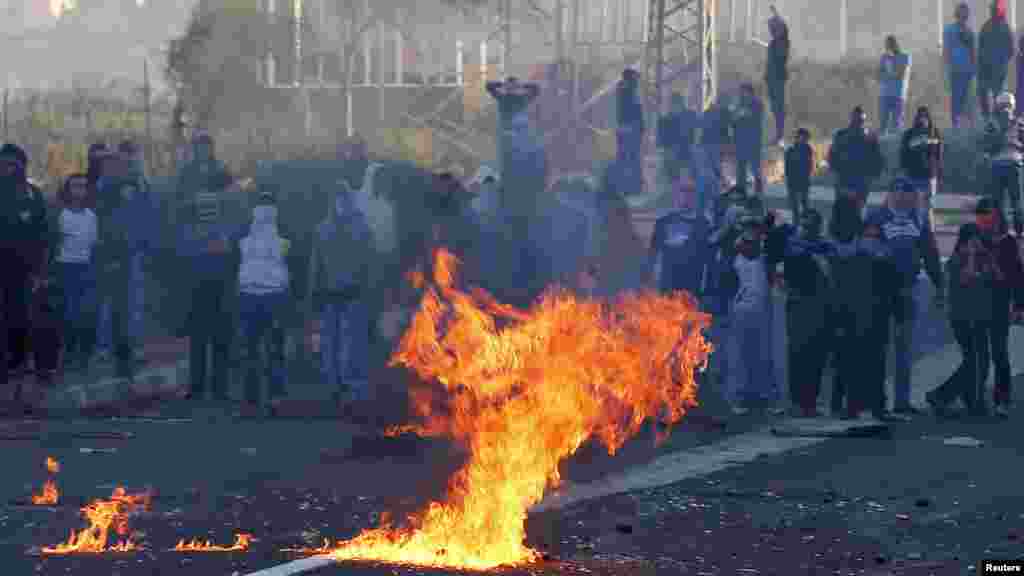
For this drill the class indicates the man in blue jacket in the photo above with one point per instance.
(911, 245)
(958, 54)
(995, 50)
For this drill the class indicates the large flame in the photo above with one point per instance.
(50, 494)
(196, 545)
(526, 389)
(104, 515)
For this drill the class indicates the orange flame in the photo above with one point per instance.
(52, 466)
(195, 545)
(48, 496)
(103, 515)
(527, 388)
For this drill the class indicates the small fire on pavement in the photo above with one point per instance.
(195, 545)
(104, 516)
(525, 390)
(50, 495)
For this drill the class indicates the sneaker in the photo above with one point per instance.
(1001, 411)
(777, 411)
(933, 403)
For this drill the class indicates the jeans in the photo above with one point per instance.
(999, 341)
(344, 347)
(890, 112)
(777, 101)
(989, 87)
(902, 353)
(77, 284)
(861, 189)
(808, 339)
(968, 381)
(260, 317)
(135, 308)
(14, 329)
(749, 164)
(798, 199)
(959, 87)
(210, 333)
(751, 369)
(1006, 187)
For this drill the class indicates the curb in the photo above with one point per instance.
(169, 380)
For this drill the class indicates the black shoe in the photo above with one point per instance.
(938, 408)
(907, 410)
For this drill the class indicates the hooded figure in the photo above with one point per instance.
(263, 281)
(25, 239)
(340, 267)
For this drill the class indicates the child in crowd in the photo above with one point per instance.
(75, 274)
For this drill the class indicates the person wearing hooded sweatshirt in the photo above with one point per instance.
(911, 243)
(1003, 144)
(893, 73)
(995, 50)
(958, 54)
(856, 157)
(921, 158)
(1007, 296)
(339, 280)
(263, 283)
(25, 239)
(806, 257)
(972, 273)
(776, 72)
(862, 288)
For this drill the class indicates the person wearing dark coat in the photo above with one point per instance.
(776, 72)
(676, 136)
(995, 51)
(856, 157)
(805, 256)
(630, 132)
(1007, 297)
(25, 242)
(799, 167)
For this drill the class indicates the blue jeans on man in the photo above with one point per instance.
(959, 90)
(260, 316)
(890, 112)
(78, 288)
(134, 308)
(344, 347)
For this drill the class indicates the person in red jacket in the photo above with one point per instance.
(1008, 296)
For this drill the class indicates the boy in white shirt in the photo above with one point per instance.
(78, 233)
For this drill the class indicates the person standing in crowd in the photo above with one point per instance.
(141, 222)
(206, 254)
(630, 132)
(748, 127)
(25, 238)
(799, 167)
(995, 50)
(715, 133)
(339, 280)
(121, 237)
(909, 237)
(972, 275)
(921, 158)
(958, 54)
(893, 81)
(1007, 296)
(676, 136)
(264, 276)
(856, 158)
(1003, 144)
(76, 275)
(680, 253)
(751, 373)
(862, 290)
(805, 255)
(98, 155)
(776, 72)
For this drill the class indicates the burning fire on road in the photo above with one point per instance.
(525, 390)
(49, 495)
(104, 516)
(195, 545)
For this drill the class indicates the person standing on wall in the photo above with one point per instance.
(776, 72)
(958, 54)
(893, 81)
(995, 50)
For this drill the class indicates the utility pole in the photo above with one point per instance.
(843, 28)
(147, 107)
(507, 48)
(6, 114)
(732, 21)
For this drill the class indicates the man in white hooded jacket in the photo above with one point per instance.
(263, 281)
